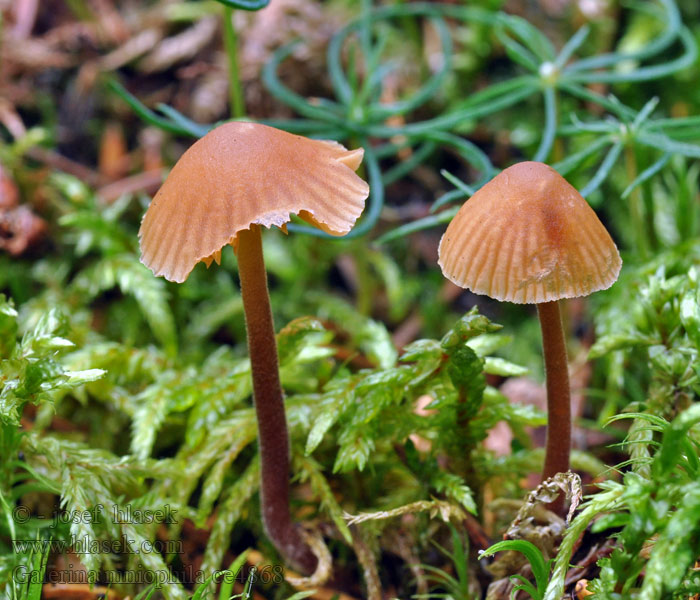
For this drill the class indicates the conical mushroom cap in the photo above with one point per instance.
(241, 174)
(528, 236)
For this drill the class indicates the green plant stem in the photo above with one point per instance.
(364, 292)
(234, 78)
(273, 438)
(636, 204)
(558, 447)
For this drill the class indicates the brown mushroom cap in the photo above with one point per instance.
(528, 236)
(241, 174)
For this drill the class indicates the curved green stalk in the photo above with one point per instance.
(234, 77)
(550, 124)
(658, 44)
(406, 166)
(690, 54)
(564, 167)
(573, 44)
(328, 111)
(605, 168)
(147, 114)
(419, 224)
(245, 4)
(636, 210)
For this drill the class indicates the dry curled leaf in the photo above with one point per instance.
(19, 229)
(568, 483)
(180, 47)
(582, 590)
(281, 22)
(210, 99)
(535, 524)
(113, 160)
(33, 54)
(133, 48)
(111, 24)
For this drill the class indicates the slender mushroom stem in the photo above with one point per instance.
(273, 438)
(558, 395)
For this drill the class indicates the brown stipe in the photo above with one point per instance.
(237, 178)
(528, 236)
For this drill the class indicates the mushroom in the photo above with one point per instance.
(237, 178)
(528, 236)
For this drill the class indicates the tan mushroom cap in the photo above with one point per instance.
(528, 236)
(241, 174)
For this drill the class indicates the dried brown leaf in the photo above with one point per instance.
(180, 47)
(19, 229)
(132, 49)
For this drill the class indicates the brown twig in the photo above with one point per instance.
(61, 163)
(148, 182)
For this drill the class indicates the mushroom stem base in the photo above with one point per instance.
(273, 438)
(558, 447)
